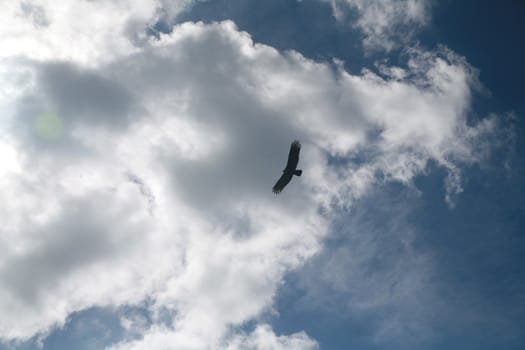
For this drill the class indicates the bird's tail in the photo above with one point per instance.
(298, 172)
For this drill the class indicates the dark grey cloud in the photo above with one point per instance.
(65, 98)
(82, 95)
(76, 239)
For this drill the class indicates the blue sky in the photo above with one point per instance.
(141, 216)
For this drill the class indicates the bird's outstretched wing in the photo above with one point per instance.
(285, 178)
(293, 156)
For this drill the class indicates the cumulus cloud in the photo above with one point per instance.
(384, 23)
(146, 172)
(85, 31)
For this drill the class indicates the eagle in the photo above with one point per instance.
(291, 168)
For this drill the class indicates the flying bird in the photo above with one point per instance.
(291, 168)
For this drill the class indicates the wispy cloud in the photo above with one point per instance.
(385, 24)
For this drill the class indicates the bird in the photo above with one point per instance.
(291, 168)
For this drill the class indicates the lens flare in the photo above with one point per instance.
(49, 125)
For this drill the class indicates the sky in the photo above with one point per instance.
(140, 141)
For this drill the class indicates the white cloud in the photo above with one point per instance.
(263, 338)
(384, 23)
(152, 175)
(85, 31)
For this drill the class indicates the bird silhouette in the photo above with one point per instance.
(291, 168)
